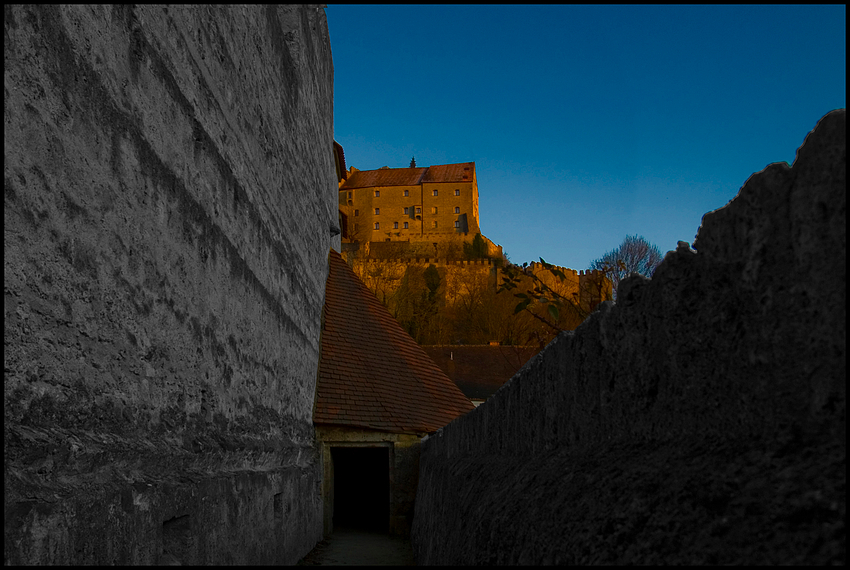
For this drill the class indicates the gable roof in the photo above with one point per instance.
(480, 370)
(450, 172)
(410, 176)
(372, 374)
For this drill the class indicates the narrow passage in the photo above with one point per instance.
(355, 547)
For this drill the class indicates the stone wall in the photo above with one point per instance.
(170, 198)
(701, 419)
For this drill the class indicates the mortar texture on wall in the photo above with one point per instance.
(700, 419)
(169, 202)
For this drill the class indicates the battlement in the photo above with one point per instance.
(536, 267)
(435, 261)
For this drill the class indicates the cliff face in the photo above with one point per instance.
(701, 419)
(169, 204)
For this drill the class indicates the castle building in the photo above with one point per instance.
(431, 204)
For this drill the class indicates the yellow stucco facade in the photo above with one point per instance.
(433, 204)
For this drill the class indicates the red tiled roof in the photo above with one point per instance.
(372, 374)
(410, 176)
(450, 172)
(480, 370)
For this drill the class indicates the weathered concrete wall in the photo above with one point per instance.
(169, 201)
(701, 419)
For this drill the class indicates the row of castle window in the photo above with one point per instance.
(407, 211)
(407, 193)
(395, 225)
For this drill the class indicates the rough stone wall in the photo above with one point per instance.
(384, 277)
(169, 201)
(701, 419)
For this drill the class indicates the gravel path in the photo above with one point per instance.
(351, 547)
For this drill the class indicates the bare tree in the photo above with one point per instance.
(634, 255)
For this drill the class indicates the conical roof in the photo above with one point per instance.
(372, 374)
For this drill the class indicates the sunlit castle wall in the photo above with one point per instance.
(168, 209)
(434, 205)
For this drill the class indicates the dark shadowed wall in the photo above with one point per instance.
(701, 419)
(170, 199)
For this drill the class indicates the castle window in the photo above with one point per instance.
(407, 193)
(405, 225)
(418, 210)
(407, 211)
(377, 193)
(434, 210)
(434, 224)
(349, 195)
(377, 225)
(457, 223)
(457, 192)
(395, 225)
(356, 212)
(457, 210)
(435, 191)
(377, 211)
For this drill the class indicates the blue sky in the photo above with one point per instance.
(586, 123)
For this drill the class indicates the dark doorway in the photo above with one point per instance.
(362, 487)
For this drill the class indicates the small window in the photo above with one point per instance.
(434, 210)
(418, 210)
(457, 210)
(349, 195)
(457, 223)
(377, 225)
(356, 212)
(435, 191)
(434, 224)
(377, 193)
(457, 192)
(405, 225)
(377, 211)
(407, 211)
(406, 193)
(395, 225)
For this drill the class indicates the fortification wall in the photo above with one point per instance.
(448, 245)
(588, 287)
(169, 197)
(701, 419)
(384, 277)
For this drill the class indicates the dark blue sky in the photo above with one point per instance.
(586, 123)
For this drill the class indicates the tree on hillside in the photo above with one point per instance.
(477, 249)
(417, 305)
(634, 255)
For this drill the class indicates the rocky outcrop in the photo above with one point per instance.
(169, 204)
(701, 419)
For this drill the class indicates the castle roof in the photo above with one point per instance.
(372, 374)
(461, 172)
(480, 370)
